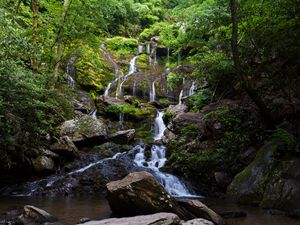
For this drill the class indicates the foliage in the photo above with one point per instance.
(29, 111)
(198, 100)
(122, 45)
(190, 131)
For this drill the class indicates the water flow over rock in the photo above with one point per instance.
(158, 159)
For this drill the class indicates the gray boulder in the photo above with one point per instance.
(122, 137)
(198, 222)
(85, 131)
(43, 164)
(270, 181)
(139, 193)
(65, 147)
(155, 219)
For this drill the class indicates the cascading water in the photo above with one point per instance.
(152, 92)
(158, 159)
(121, 120)
(70, 70)
(192, 89)
(159, 126)
(106, 92)
(133, 88)
(180, 98)
(132, 69)
(140, 49)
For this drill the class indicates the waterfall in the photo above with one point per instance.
(140, 49)
(157, 160)
(121, 120)
(180, 98)
(178, 58)
(159, 126)
(70, 70)
(133, 88)
(148, 50)
(71, 82)
(132, 69)
(93, 113)
(106, 92)
(192, 89)
(152, 92)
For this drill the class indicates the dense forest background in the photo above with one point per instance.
(236, 48)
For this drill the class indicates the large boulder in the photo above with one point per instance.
(122, 137)
(85, 131)
(43, 164)
(139, 193)
(34, 215)
(155, 219)
(270, 181)
(65, 147)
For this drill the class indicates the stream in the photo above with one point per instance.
(71, 209)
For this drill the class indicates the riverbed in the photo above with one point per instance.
(71, 209)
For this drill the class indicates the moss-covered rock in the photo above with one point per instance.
(270, 181)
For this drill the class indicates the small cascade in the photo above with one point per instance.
(71, 82)
(106, 92)
(159, 126)
(148, 50)
(157, 160)
(121, 120)
(140, 49)
(152, 92)
(93, 113)
(70, 70)
(178, 58)
(132, 69)
(134, 88)
(180, 98)
(192, 89)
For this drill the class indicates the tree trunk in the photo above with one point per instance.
(66, 6)
(35, 34)
(264, 111)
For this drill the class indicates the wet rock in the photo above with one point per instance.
(200, 210)
(248, 156)
(155, 219)
(198, 222)
(65, 147)
(37, 215)
(177, 109)
(269, 182)
(43, 164)
(222, 179)
(139, 193)
(122, 137)
(85, 131)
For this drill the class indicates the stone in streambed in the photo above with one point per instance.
(139, 193)
(65, 147)
(198, 222)
(155, 219)
(85, 131)
(122, 137)
(37, 215)
(43, 164)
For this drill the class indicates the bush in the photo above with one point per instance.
(29, 110)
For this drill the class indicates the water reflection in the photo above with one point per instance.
(67, 209)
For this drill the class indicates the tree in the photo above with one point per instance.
(264, 111)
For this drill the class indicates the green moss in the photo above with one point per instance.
(121, 45)
(142, 61)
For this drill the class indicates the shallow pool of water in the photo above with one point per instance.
(255, 216)
(67, 209)
(71, 209)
